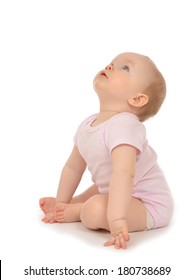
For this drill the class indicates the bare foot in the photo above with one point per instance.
(47, 204)
(68, 213)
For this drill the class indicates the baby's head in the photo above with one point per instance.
(131, 82)
(155, 91)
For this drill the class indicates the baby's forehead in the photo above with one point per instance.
(138, 60)
(130, 56)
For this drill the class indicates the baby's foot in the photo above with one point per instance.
(47, 204)
(67, 213)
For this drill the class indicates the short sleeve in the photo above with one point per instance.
(125, 130)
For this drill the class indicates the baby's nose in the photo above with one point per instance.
(109, 67)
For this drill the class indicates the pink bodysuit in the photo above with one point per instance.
(95, 144)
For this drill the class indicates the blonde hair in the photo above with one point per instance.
(156, 93)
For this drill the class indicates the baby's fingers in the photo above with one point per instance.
(109, 242)
(126, 236)
(48, 218)
(120, 241)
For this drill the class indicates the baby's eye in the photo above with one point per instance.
(126, 68)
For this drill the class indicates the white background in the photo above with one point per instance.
(50, 52)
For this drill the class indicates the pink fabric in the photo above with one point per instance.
(95, 144)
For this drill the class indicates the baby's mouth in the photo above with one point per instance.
(103, 74)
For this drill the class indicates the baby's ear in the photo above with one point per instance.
(139, 100)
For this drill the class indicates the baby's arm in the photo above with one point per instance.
(120, 190)
(70, 177)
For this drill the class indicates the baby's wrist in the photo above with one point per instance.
(116, 218)
(59, 201)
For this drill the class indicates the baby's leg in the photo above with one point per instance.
(94, 213)
(92, 210)
(47, 204)
(68, 213)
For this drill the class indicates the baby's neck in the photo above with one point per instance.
(104, 116)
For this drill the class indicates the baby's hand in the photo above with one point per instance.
(49, 218)
(50, 215)
(120, 234)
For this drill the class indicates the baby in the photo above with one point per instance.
(130, 192)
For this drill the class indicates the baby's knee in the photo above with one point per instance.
(92, 211)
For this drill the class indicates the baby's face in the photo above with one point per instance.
(126, 76)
